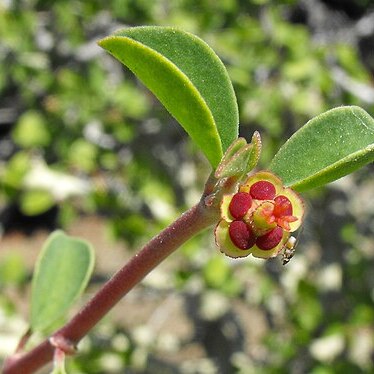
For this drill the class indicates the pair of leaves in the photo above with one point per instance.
(192, 83)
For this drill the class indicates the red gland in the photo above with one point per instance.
(283, 212)
(240, 204)
(241, 235)
(270, 240)
(262, 190)
(282, 207)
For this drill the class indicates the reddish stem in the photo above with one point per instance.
(186, 226)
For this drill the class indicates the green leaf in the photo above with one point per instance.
(61, 274)
(31, 130)
(35, 202)
(83, 155)
(327, 148)
(16, 169)
(12, 269)
(187, 77)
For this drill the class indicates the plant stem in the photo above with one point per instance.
(186, 226)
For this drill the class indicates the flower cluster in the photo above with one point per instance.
(259, 218)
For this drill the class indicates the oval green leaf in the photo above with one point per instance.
(35, 202)
(328, 147)
(187, 77)
(61, 274)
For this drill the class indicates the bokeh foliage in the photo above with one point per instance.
(68, 110)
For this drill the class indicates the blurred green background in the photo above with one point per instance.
(85, 147)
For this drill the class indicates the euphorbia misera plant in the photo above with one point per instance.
(254, 212)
